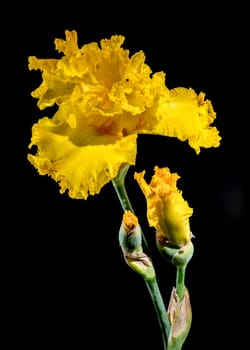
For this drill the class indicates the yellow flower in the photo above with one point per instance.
(167, 211)
(105, 98)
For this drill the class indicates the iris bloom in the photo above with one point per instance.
(104, 99)
(167, 211)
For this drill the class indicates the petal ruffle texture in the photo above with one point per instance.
(167, 211)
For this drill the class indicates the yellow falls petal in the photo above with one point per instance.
(82, 170)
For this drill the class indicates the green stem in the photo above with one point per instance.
(160, 309)
(119, 186)
(180, 281)
(120, 189)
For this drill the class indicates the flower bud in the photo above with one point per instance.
(130, 239)
(180, 316)
(130, 235)
(167, 211)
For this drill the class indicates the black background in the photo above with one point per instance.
(67, 284)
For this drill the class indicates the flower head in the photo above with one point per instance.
(105, 98)
(167, 211)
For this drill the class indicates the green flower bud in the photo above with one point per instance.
(130, 239)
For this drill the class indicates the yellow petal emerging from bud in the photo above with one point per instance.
(130, 222)
(167, 211)
(130, 235)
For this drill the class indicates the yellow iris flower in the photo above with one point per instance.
(105, 98)
(167, 211)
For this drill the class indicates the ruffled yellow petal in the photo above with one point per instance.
(103, 80)
(188, 116)
(81, 169)
(167, 211)
(105, 76)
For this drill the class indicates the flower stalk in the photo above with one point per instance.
(119, 186)
(130, 239)
(180, 281)
(179, 309)
(160, 310)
